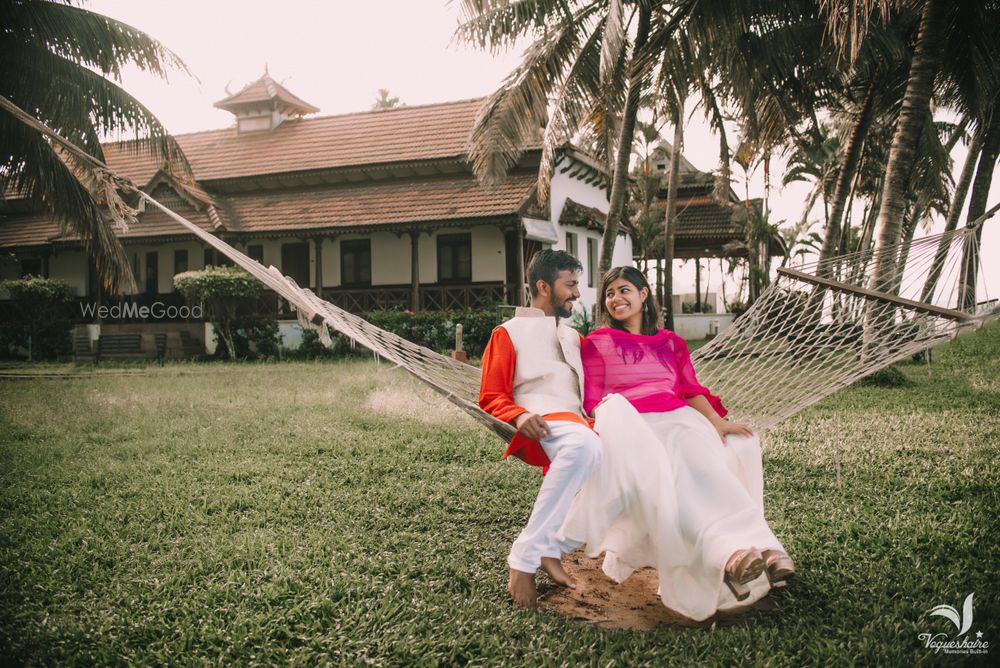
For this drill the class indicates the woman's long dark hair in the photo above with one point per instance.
(650, 309)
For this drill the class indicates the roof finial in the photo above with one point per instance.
(265, 69)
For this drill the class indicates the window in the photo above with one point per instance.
(180, 261)
(152, 283)
(356, 262)
(454, 253)
(31, 266)
(295, 262)
(216, 259)
(256, 252)
(571, 244)
(591, 262)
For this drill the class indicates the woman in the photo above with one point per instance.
(681, 488)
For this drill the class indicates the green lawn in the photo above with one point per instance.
(339, 513)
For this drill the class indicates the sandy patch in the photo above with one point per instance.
(631, 605)
(410, 401)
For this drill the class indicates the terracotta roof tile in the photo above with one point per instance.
(38, 229)
(378, 203)
(265, 89)
(361, 205)
(27, 230)
(428, 132)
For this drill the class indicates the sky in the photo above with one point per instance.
(336, 55)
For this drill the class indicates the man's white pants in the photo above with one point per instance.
(575, 451)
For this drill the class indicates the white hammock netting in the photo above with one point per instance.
(816, 329)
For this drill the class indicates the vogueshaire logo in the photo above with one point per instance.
(133, 311)
(941, 642)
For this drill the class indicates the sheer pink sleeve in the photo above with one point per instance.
(593, 375)
(689, 385)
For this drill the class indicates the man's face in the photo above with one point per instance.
(565, 291)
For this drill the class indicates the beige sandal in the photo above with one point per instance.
(743, 567)
(780, 567)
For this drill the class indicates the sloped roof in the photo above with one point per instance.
(406, 134)
(377, 204)
(706, 218)
(370, 204)
(34, 229)
(265, 89)
(574, 213)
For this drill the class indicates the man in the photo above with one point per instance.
(533, 379)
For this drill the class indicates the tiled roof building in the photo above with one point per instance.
(373, 209)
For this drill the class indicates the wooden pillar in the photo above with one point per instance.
(414, 270)
(318, 243)
(522, 279)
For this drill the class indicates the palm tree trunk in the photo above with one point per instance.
(902, 155)
(669, 219)
(852, 160)
(619, 182)
(954, 213)
(977, 207)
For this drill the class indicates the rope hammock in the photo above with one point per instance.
(816, 329)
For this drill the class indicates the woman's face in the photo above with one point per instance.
(624, 303)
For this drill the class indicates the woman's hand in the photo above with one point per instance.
(725, 428)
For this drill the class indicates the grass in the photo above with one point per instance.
(339, 513)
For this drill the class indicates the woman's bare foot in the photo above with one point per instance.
(555, 569)
(521, 587)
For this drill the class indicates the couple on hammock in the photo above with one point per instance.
(658, 478)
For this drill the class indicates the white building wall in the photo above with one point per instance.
(427, 248)
(391, 259)
(70, 266)
(488, 262)
(331, 262)
(565, 187)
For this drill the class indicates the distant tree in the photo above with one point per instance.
(383, 101)
(59, 64)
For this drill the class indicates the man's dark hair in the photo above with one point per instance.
(545, 265)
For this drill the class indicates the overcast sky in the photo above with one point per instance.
(336, 54)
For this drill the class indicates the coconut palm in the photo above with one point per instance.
(58, 63)
(586, 71)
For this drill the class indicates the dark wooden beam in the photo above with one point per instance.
(877, 295)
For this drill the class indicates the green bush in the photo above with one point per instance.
(229, 296)
(253, 338)
(436, 329)
(40, 323)
(688, 307)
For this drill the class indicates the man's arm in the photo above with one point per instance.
(496, 388)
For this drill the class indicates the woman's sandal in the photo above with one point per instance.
(743, 567)
(780, 567)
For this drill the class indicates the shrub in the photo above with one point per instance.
(229, 294)
(253, 337)
(40, 322)
(436, 329)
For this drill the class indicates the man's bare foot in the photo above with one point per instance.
(522, 589)
(555, 569)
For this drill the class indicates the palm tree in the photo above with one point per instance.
(58, 65)
(385, 101)
(583, 73)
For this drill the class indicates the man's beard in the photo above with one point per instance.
(564, 310)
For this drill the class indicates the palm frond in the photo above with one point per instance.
(31, 166)
(513, 116)
(498, 24)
